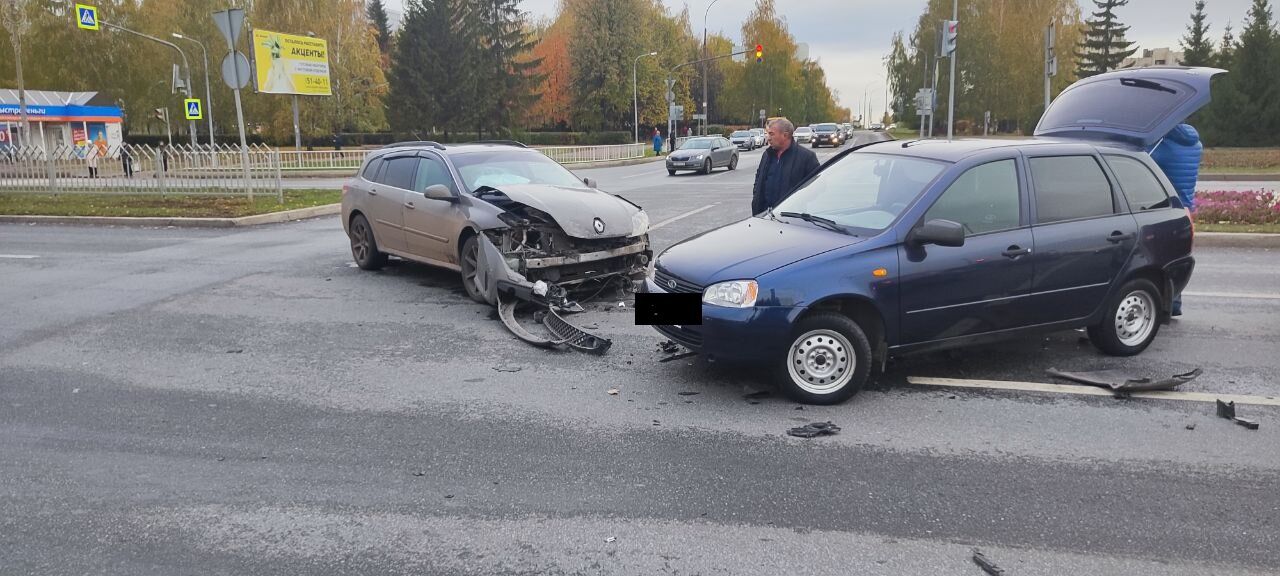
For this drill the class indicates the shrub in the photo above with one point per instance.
(1238, 207)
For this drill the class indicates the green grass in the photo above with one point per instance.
(1248, 228)
(136, 205)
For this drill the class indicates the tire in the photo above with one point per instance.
(671, 172)
(733, 164)
(1132, 320)
(364, 247)
(469, 258)
(827, 361)
(706, 168)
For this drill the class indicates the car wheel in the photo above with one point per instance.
(671, 172)
(364, 248)
(733, 164)
(827, 361)
(706, 168)
(1132, 320)
(470, 262)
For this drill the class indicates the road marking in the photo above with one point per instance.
(19, 256)
(639, 175)
(681, 217)
(1246, 295)
(1089, 390)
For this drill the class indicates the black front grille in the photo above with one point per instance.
(669, 283)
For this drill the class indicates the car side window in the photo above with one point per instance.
(1070, 188)
(983, 199)
(371, 170)
(432, 171)
(399, 172)
(1141, 187)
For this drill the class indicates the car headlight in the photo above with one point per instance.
(732, 294)
(639, 223)
(699, 157)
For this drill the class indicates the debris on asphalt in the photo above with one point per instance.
(688, 393)
(799, 407)
(668, 347)
(447, 496)
(622, 304)
(1191, 426)
(814, 429)
(679, 357)
(613, 391)
(573, 336)
(235, 351)
(987, 566)
(1228, 410)
(419, 473)
(610, 540)
(757, 395)
(1124, 382)
(507, 368)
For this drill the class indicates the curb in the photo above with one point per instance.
(612, 163)
(255, 220)
(1239, 177)
(1236, 240)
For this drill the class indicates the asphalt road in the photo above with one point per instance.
(184, 401)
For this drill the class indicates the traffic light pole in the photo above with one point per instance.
(185, 65)
(951, 92)
(671, 72)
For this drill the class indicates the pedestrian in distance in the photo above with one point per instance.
(126, 162)
(657, 142)
(783, 166)
(92, 161)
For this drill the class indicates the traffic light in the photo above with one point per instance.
(759, 53)
(160, 114)
(950, 30)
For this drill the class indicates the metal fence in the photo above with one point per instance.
(583, 154)
(166, 170)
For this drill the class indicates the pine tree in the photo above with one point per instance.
(1226, 55)
(505, 71)
(1196, 47)
(381, 23)
(1254, 74)
(430, 83)
(1103, 46)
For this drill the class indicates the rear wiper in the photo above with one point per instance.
(807, 217)
(1148, 84)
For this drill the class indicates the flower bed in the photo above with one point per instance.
(1238, 207)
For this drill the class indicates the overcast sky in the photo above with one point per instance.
(850, 37)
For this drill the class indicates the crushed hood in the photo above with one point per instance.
(576, 209)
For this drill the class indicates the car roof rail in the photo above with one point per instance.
(430, 143)
(501, 143)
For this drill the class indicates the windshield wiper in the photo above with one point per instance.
(1148, 84)
(807, 217)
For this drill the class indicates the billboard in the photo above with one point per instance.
(289, 64)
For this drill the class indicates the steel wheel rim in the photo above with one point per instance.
(470, 258)
(1135, 318)
(821, 361)
(360, 241)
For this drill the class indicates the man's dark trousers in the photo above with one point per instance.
(777, 178)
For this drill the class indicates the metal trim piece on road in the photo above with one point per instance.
(682, 216)
(1089, 390)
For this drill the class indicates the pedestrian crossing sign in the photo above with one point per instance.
(87, 17)
(194, 111)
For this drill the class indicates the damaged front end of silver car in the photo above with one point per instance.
(533, 260)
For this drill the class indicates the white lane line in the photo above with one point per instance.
(1090, 390)
(639, 175)
(19, 256)
(1246, 295)
(681, 217)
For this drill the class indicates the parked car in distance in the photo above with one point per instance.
(743, 139)
(803, 135)
(895, 248)
(762, 137)
(703, 154)
(827, 135)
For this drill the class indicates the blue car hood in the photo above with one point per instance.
(748, 249)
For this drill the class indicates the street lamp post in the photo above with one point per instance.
(705, 54)
(635, 96)
(208, 95)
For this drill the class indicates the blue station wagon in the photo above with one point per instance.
(899, 247)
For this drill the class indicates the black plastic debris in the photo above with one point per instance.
(679, 357)
(688, 393)
(511, 369)
(987, 566)
(573, 336)
(1228, 410)
(1124, 382)
(757, 395)
(669, 347)
(814, 430)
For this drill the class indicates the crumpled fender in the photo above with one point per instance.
(492, 268)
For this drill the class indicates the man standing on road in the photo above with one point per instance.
(783, 166)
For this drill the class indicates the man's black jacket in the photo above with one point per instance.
(797, 164)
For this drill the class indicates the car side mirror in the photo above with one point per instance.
(591, 183)
(938, 231)
(439, 192)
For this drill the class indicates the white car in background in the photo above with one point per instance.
(804, 135)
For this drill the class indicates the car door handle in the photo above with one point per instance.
(409, 205)
(1117, 237)
(1014, 252)
(373, 192)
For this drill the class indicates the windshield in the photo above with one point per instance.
(825, 128)
(697, 144)
(740, 134)
(496, 168)
(864, 192)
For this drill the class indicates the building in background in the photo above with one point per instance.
(1153, 57)
(62, 119)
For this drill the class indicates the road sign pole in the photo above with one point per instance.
(297, 132)
(951, 92)
(229, 23)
